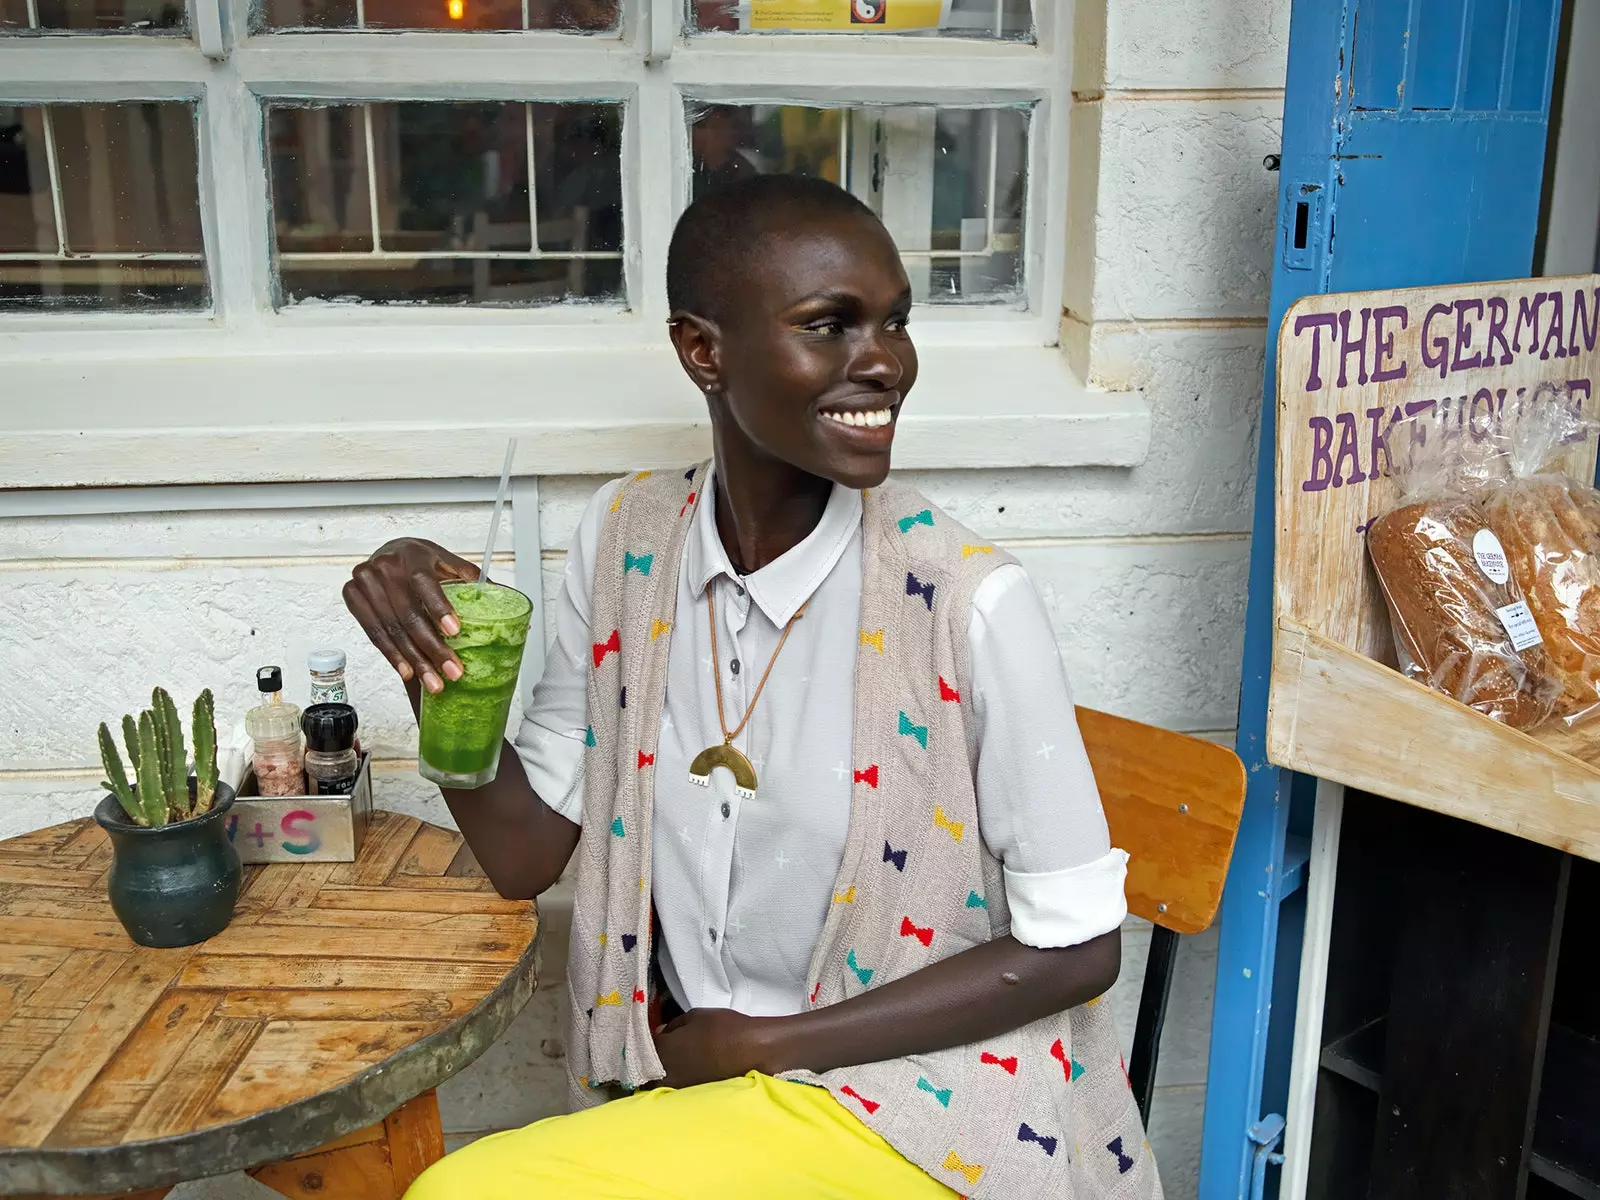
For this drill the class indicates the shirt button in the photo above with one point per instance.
(727, 810)
(734, 666)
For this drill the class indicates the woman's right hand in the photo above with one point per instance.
(396, 598)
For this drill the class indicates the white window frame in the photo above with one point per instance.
(93, 365)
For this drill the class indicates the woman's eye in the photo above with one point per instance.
(828, 325)
(899, 324)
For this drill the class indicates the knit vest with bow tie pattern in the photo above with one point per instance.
(1042, 1111)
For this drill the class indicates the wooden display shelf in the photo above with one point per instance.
(1336, 710)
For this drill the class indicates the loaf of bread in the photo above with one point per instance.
(1550, 528)
(1443, 603)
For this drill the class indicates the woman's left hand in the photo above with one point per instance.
(708, 1044)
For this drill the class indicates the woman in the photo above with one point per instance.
(845, 898)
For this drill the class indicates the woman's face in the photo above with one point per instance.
(816, 360)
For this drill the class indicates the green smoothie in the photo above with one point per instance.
(461, 728)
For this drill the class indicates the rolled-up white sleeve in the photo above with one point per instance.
(554, 730)
(1038, 807)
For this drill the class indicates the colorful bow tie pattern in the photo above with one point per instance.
(612, 645)
(907, 929)
(871, 1106)
(887, 783)
(864, 974)
(973, 1172)
(1025, 1133)
(956, 829)
(1008, 1064)
(1070, 1066)
(909, 728)
(1124, 1163)
(915, 587)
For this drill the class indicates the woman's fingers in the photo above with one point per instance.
(427, 590)
(355, 600)
(413, 614)
(370, 578)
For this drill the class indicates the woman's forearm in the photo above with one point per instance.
(520, 842)
(978, 994)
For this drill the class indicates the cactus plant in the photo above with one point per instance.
(205, 752)
(160, 791)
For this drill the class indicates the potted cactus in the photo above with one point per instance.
(174, 874)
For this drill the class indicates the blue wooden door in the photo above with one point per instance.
(1413, 153)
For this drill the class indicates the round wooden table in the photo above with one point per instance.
(301, 1044)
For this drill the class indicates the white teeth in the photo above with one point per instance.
(862, 420)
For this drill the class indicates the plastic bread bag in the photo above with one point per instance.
(1549, 526)
(1461, 624)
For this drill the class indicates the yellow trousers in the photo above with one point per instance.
(755, 1136)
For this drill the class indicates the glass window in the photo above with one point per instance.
(434, 202)
(950, 183)
(465, 16)
(1010, 20)
(93, 16)
(99, 207)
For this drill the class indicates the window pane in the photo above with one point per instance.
(99, 207)
(1010, 20)
(94, 16)
(577, 16)
(429, 202)
(950, 183)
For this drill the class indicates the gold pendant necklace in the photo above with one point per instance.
(726, 754)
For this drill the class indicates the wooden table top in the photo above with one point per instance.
(339, 992)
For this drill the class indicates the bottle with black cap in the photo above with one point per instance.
(274, 729)
(332, 763)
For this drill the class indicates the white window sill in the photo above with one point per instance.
(97, 420)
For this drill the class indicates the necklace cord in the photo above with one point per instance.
(716, 665)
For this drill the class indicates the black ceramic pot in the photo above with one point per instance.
(172, 885)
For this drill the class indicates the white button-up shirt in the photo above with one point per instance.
(742, 887)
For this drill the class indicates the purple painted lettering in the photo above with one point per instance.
(1383, 345)
(1464, 336)
(1349, 448)
(1436, 350)
(1357, 347)
(1527, 318)
(1315, 322)
(1555, 331)
(1582, 307)
(1499, 312)
(1321, 473)
(1380, 441)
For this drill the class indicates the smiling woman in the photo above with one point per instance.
(727, 953)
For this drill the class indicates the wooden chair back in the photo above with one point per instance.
(1173, 803)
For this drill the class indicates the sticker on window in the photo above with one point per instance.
(845, 16)
(1519, 625)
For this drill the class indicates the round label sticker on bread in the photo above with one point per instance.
(1491, 555)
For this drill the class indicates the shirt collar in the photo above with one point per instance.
(788, 581)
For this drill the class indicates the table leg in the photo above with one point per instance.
(376, 1163)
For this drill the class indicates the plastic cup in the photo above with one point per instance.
(461, 728)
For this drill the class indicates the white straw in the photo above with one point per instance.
(499, 503)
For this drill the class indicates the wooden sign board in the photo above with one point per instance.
(1351, 367)
(275, 829)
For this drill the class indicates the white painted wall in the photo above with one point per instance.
(1143, 569)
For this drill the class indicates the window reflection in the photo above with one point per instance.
(463, 16)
